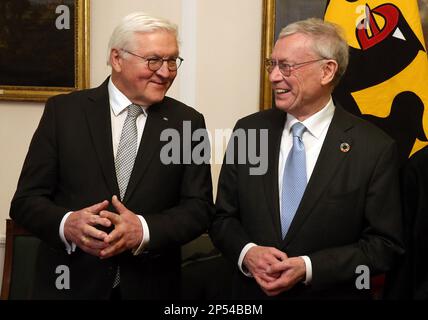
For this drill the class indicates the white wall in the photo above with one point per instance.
(224, 49)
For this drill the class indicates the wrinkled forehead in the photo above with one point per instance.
(146, 37)
(155, 40)
(293, 47)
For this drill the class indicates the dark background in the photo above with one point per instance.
(33, 52)
(288, 11)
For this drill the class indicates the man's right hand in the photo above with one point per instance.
(79, 228)
(258, 260)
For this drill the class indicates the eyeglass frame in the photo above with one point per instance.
(156, 59)
(290, 67)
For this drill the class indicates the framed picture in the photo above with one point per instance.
(423, 11)
(44, 48)
(278, 13)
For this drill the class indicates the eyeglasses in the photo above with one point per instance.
(286, 68)
(155, 63)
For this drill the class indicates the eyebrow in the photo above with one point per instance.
(282, 60)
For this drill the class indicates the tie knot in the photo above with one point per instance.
(134, 110)
(297, 129)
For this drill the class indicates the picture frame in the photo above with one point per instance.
(278, 13)
(423, 11)
(268, 38)
(43, 54)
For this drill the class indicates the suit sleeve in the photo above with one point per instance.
(416, 229)
(226, 230)
(381, 239)
(32, 205)
(192, 215)
(401, 281)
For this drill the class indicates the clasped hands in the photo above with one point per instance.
(273, 270)
(80, 228)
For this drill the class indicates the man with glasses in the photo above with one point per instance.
(327, 210)
(94, 187)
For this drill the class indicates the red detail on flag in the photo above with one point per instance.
(391, 15)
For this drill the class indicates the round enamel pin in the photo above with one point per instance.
(345, 147)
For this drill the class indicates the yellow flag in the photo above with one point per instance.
(387, 78)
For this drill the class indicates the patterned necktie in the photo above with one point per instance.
(294, 178)
(125, 158)
(127, 150)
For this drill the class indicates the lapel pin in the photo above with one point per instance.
(345, 147)
(165, 118)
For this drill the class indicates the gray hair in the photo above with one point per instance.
(137, 22)
(328, 41)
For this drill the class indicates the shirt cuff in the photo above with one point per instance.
(146, 237)
(308, 265)
(244, 251)
(70, 248)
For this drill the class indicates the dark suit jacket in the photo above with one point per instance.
(70, 166)
(409, 280)
(349, 214)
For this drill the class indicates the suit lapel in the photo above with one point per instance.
(329, 160)
(99, 122)
(276, 127)
(157, 120)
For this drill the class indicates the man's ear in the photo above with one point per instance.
(116, 60)
(329, 70)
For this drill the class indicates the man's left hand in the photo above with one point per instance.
(293, 270)
(127, 233)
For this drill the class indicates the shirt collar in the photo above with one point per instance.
(118, 101)
(316, 123)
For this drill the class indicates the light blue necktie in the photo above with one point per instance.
(293, 179)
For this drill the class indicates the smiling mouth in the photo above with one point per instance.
(281, 91)
(159, 83)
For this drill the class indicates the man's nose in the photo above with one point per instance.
(163, 70)
(275, 75)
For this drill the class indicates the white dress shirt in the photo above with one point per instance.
(313, 138)
(118, 104)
